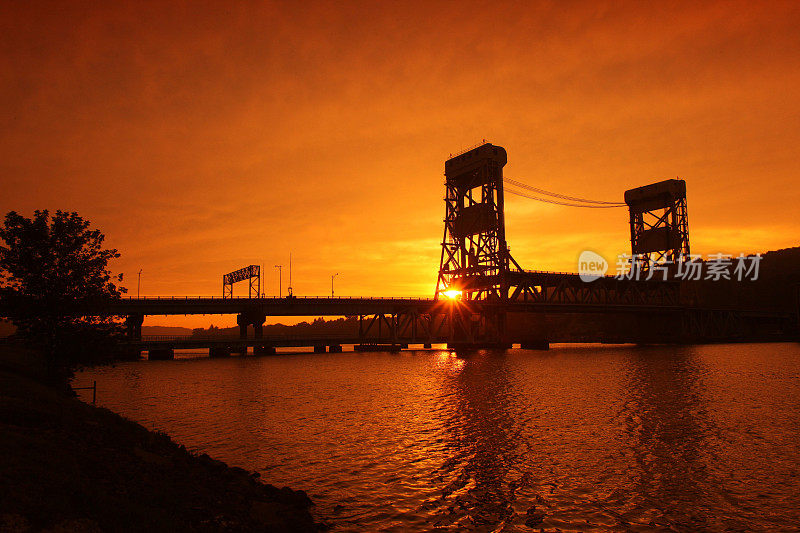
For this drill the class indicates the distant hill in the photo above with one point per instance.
(778, 285)
(319, 326)
(776, 289)
(165, 330)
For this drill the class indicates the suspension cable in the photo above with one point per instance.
(561, 196)
(570, 204)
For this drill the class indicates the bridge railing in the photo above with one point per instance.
(265, 338)
(276, 298)
(573, 274)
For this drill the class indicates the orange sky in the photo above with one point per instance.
(202, 138)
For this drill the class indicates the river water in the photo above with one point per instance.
(579, 438)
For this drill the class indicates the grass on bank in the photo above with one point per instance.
(69, 466)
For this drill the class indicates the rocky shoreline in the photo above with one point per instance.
(69, 466)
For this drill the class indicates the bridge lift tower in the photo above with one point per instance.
(659, 223)
(475, 258)
(475, 254)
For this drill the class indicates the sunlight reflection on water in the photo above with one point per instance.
(577, 438)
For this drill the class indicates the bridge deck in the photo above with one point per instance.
(321, 306)
(297, 306)
(275, 341)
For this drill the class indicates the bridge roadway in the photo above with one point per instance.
(531, 291)
(182, 342)
(343, 306)
(294, 306)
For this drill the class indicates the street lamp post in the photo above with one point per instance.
(139, 284)
(280, 282)
(332, 277)
(289, 288)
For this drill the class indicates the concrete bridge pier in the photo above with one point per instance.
(133, 326)
(319, 348)
(254, 318)
(242, 321)
(377, 347)
(467, 347)
(335, 348)
(797, 310)
(133, 353)
(535, 344)
(264, 350)
(219, 351)
(166, 353)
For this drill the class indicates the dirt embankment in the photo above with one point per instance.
(68, 466)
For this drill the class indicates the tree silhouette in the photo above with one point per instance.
(52, 271)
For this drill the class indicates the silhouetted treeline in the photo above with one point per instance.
(319, 326)
(776, 288)
(53, 271)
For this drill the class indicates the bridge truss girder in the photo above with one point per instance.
(406, 326)
(570, 289)
(712, 325)
(251, 274)
(451, 321)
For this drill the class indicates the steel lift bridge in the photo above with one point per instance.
(483, 297)
(476, 261)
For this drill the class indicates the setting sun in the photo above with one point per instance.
(453, 294)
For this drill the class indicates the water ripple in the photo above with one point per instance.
(585, 438)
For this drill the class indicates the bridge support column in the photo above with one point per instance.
(535, 344)
(335, 348)
(471, 346)
(377, 347)
(132, 353)
(797, 309)
(219, 351)
(264, 350)
(243, 322)
(133, 325)
(161, 354)
(241, 349)
(319, 348)
(255, 318)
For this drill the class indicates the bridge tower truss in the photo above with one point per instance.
(475, 256)
(250, 273)
(659, 223)
(475, 259)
